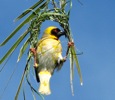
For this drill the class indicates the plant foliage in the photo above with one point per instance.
(41, 11)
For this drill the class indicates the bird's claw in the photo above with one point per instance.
(70, 44)
(64, 58)
(33, 50)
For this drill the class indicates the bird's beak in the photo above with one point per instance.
(61, 33)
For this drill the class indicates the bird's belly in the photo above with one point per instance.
(48, 54)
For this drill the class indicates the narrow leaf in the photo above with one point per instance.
(62, 3)
(71, 70)
(19, 87)
(24, 95)
(7, 83)
(22, 24)
(70, 7)
(22, 78)
(77, 64)
(34, 90)
(12, 34)
(13, 47)
(23, 48)
(27, 11)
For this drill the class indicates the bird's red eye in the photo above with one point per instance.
(55, 31)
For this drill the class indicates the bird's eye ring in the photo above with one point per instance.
(55, 31)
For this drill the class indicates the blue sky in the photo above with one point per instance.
(93, 28)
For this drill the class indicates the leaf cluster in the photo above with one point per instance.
(41, 11)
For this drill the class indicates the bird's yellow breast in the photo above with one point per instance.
(49, 45)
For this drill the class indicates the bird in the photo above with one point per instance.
(48, 57)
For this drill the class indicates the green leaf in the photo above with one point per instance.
(14, 46)
(30, 9)
(12, 34)
(62, 4)
(24, 95)
(19, 87)
(71, 69)
(22, 79)
(23, 48)
(77, 63)
(22, 24)
(33, 89)
(70, 7)
(53, 13)
(7, 82)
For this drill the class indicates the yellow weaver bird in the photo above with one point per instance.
(48, 57)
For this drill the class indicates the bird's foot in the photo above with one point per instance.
(33, 50)
(64, 58)
(70, 44)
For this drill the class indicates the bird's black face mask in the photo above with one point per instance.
(57, 32)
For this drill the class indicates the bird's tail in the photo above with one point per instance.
(44, 77)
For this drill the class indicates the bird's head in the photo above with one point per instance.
(53, 32)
